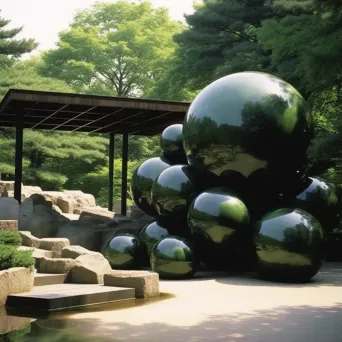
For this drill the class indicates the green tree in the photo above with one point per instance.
(113, 48)
(11, 48)
(24, 75)
(221, 39)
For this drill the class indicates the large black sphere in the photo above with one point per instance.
(246, 122)
(174, 258)
(171, 143)
(173, 192)
(124, 252)
(320, 199)
(152, 234)
(219, 222)
(290, 245)
(142, 180)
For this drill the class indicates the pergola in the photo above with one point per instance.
(86, 113)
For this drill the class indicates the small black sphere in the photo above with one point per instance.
(142, 181)
(173, 192)
(174, 258)
(219, 223)
(290, 245)
(152, 234)
(320, 199)
(124, 252)
(171, 143)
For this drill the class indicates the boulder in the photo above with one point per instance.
(82, 234)
(55, 245)
(36, 252)
(97, 216)
(15, 280)
(28, 191)
(29, 240)
(56, 265)
(84, 200)
(9, 208)
(90, 269)
(38, 217)
(53, 196)
(145, 283)
(73, 252)
(56, 208)
(3, 287)
(13, 324)
(66, 204)
(9, 225)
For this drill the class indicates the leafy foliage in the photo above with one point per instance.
(11, 48)
(24, 75)
(10, 257)
(113, 48)
(10, 238)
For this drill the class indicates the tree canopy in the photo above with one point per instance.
(113, 48)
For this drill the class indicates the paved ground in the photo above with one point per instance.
(221, 308)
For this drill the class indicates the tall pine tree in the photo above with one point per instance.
(10, 47)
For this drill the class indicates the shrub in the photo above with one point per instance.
(10, 238)
(10, 257)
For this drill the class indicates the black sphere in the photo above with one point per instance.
(219, 222)
(142, 181)
(246, 122)
(290, 245)
(174, 258)
(173, 192)
(171, 143)
(124, 252)
(320, 199)
(152, 234)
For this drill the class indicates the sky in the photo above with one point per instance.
(44, 19)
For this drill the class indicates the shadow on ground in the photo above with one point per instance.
(329, 275)
(296, 324)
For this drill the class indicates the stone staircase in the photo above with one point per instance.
(43, 279)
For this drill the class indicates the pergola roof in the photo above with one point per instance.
(88, 113)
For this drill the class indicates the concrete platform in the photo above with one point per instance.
(43, 279)
(64, 296)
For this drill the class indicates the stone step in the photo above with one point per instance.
(43, 279)
(65, 296)
(37, 253)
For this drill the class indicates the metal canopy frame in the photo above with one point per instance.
(90, 114)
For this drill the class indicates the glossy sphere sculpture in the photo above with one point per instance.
(174, 258)
(320, 199)
(124, 252)
(219, 223)
(290, 245)
(152, 234)
(142, 181)
(249, 121)
(173, 192)
(239, 156)
(171, 143)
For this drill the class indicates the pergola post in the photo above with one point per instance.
(19, 138)
(124, 174)
(111, 172)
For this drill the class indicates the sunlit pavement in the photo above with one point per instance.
(216, 307)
